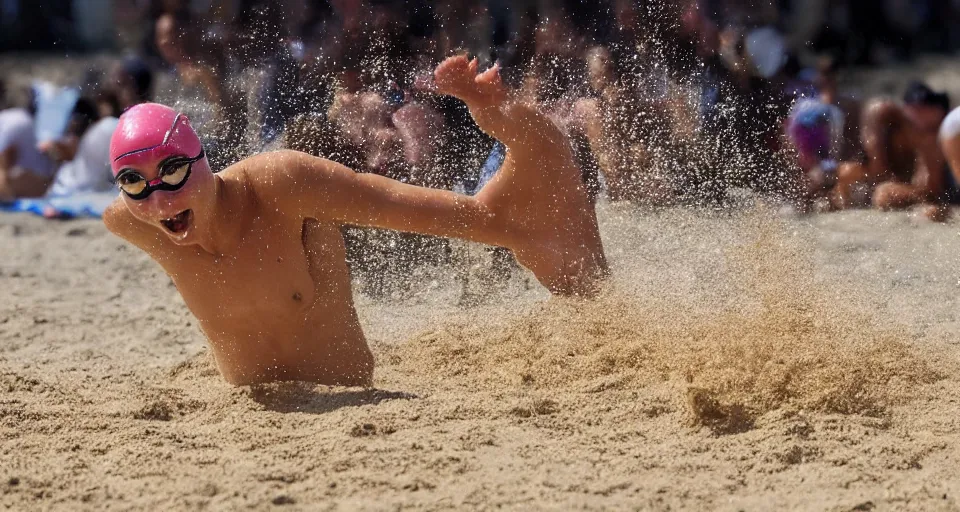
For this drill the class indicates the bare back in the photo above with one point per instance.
(889, 143)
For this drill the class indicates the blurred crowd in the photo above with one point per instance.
(664, 101)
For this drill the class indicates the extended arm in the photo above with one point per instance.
(516, 125)
(327, 191)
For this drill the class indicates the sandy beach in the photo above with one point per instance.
(741, 360)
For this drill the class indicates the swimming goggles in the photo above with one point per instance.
(174, 172)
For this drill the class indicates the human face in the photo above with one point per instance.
(158, 161)
(172, 192)
(167, 40)
(174, 172)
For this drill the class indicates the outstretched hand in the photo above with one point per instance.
(458, 76)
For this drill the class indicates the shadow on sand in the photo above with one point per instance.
(307, 398)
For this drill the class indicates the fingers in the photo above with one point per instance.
(490, 76)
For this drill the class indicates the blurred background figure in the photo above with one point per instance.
(25, 170)
(662, 101)
(904, 163)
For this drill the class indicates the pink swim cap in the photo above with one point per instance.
(151, 132)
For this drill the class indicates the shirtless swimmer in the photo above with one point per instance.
(256, 249)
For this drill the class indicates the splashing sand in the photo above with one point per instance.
(728, 365)
(784, 343)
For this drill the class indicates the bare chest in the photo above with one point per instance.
(271, 279)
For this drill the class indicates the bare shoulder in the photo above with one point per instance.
(292, 181)
(118, 219)
(881, 111)
(282, 168)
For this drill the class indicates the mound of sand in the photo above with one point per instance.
(735, 362)
(785, 343)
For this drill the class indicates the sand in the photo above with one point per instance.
(741, 360)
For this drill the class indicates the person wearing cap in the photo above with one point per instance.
(814, 129)
(904, 164)
(86, 169)
(257, 250)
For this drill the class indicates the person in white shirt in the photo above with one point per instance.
(89, 170)
(24, 170)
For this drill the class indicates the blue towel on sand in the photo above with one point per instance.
(78, 205)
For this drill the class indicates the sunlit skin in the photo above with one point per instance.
(905, 165)
(16, 182)
(257, 255)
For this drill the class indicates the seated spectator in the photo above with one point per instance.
(823, 129)
(420, 128)
(64, 148)
(203, 64)
(89, 168)
(108, 105)
(814, 130)
(905, 165)
(615, 121)
(25, 171)
(358, 116)
(259, 37)
(825, 81)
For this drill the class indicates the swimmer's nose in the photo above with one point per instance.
(160, 203)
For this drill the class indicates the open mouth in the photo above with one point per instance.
(179, 222)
